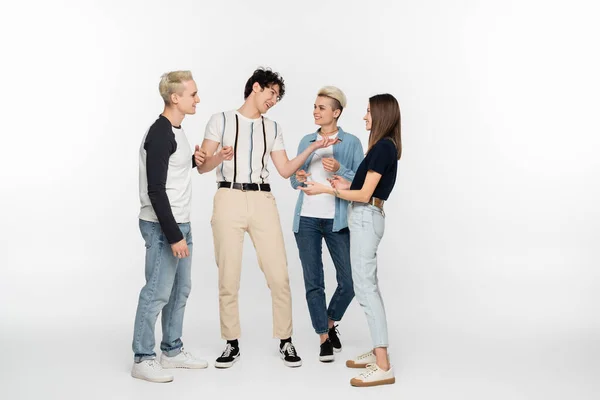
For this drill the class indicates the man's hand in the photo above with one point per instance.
(321, 144)
(199, 155)
(330, 164)
(180, 249)
(302, 175)
(226, 153)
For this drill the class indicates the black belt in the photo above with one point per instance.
(263, 187)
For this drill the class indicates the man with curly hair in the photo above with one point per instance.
(238, 143)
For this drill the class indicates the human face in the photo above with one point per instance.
(367, 118)
(323, 112)
(266, 97)
(186, 100)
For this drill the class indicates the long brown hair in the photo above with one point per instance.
(385, 120)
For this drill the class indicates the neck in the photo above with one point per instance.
(248, 110)
(174, 116)
(328, 130)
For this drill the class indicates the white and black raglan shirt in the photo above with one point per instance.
(252, 140)
(166, 162)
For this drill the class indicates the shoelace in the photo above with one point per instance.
(371, 368)
(187, 354)
(366, 355)
(288, 347)
(228, 350)
(335, 329)
(154, 365)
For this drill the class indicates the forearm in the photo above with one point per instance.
(164, 214)
(360, 196)
(345, 172)
(210, 163)
(293, 165)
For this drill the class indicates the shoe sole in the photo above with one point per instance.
(155, 380)
(358, 383)
(352, 364)
(337, 350)
(327, 359)
(289, 363)
(223, 365)
(168, 366)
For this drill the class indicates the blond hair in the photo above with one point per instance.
(335, 94)
(172, 82)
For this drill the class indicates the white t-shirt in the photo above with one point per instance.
(322, 205)
(252, 142)
(178, 185)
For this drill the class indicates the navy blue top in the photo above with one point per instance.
(383, 159)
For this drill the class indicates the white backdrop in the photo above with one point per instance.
(489, 265)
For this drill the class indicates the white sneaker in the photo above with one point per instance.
(182, 360)
(150, 370)
(362, 361)
(374, 376)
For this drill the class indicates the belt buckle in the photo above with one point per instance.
(243, 188)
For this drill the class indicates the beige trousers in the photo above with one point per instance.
(236, 212)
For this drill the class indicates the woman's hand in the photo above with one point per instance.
(339, 183)
(313, 188)
(302, 175)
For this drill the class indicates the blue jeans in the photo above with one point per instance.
(367, 224)
(168, 285)
(309, 238)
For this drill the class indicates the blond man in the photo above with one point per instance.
(166, 162)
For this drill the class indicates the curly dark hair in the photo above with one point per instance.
(265, 78)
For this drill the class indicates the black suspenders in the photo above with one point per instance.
(265, 148)
(235, 148)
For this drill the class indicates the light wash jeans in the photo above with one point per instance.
(168, 285)
(367, 224)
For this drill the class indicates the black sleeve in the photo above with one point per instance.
(159, 145)
(382, 157)
(193, 161)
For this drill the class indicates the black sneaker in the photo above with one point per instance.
(229, 357)
(289, 356)
(335, 340)
(326, 354)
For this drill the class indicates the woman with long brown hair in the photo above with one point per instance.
(370, 188)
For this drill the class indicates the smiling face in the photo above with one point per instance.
(265, 98)
(367, 118)
(323, 111)
(185, 101)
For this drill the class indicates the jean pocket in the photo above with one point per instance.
(149, 232)
(378, 223)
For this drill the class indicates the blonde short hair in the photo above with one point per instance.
(172, 82)
(335, 94)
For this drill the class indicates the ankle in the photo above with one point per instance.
(384, 366)
(233, 343)
(284, 341)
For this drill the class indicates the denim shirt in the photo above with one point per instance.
(349, 153)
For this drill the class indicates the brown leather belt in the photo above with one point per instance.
(377, 202)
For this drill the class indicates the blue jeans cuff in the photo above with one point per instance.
(172, 351)
(138, 358)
